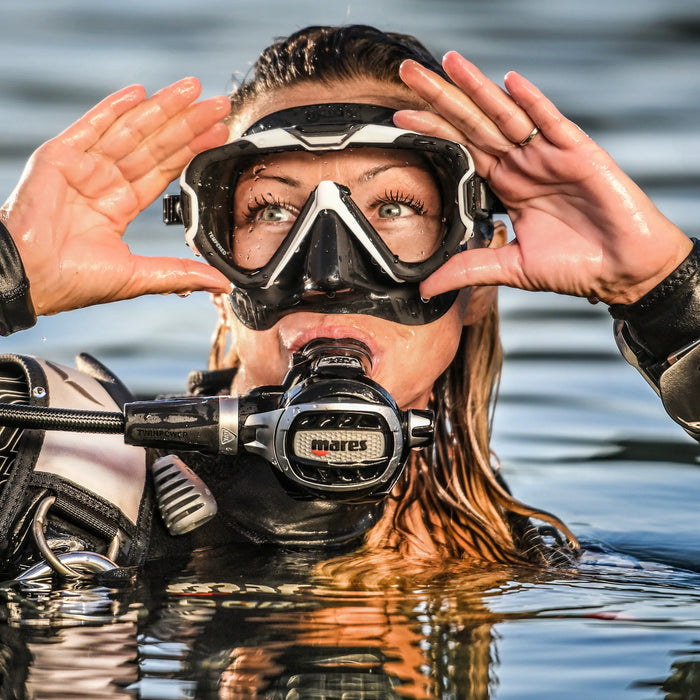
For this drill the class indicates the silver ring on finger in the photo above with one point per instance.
(529, 137)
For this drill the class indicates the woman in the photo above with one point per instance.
(582, 228)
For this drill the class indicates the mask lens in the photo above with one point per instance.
(396, 191)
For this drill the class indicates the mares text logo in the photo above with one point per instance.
(340, 446)
(322, 447)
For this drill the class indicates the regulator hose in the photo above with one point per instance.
(72, 420)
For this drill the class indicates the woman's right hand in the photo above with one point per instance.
(80, 190)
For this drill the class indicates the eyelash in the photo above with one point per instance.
(260, 202)
(409, 200)
(390, 197)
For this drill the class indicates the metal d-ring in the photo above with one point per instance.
(114, 545)
(38, 526)
(54, 561)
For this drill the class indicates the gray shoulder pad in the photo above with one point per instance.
(679, 387)
(101, 464)
(676, 379)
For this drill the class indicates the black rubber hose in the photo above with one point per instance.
(73, 420)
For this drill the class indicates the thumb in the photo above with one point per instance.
(161, 275)
(481, 266)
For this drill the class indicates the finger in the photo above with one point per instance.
(89, 128)
(434, 125)
(161, 275)
(177, 137)
(134, 126)
(513, 121)
(156, 179)
(449, 101)
(482, 266)
(549, 120)
(427, 123)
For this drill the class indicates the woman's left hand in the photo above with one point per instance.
(582, 227)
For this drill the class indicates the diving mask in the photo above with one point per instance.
(322, 208)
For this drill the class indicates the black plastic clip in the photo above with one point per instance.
(483, 202)
(172, 211)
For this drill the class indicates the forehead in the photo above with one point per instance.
(356, 164)
(353, 91)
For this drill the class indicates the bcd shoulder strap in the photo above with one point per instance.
(99, 483)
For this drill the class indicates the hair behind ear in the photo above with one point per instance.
(482, 299)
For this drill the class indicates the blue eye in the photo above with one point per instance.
(394, 205)
(391, 210)
(274, 213)
(267, 209)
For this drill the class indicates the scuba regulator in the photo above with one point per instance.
(328, 429)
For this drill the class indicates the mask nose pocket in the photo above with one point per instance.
(334, 259)
(325, 259)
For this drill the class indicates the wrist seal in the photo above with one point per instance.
(667, 318)
(16, 308)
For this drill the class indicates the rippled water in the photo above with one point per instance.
(577, 431)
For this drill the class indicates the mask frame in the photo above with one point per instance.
(357, 272)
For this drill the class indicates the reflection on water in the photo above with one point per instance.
(576, 431)
(256, 624)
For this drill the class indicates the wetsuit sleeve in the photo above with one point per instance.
(16, 309)
(660, 335)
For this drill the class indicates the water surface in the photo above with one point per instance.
(577, 432)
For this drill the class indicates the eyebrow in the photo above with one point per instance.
(259, 172)
(373, 172)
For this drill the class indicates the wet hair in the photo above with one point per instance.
(450, 502)
(331, 54)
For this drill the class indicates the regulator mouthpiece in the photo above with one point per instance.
(328, 430)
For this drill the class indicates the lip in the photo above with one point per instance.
(296, 340)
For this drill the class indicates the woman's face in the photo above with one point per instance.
(401, 201)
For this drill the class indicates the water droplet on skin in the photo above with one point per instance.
(184, 295)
